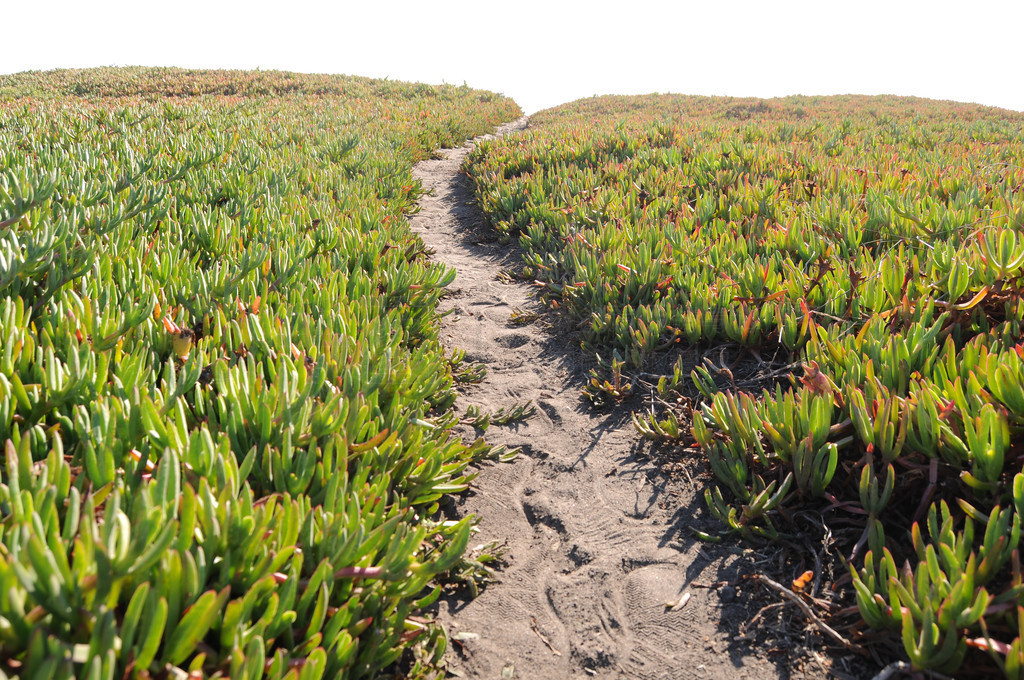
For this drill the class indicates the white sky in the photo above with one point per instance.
(545, 52)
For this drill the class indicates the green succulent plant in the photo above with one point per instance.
(872, 241)
(226, 412)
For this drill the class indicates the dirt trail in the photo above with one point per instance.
(597, 537)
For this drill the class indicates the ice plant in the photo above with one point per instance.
(218, 342)
(872, 246)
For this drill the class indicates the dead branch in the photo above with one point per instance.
(808, 612)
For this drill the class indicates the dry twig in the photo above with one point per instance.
(793, 597)
(536, 629)
(757, 617)
(904, 667)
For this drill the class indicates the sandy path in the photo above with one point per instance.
(597, 539)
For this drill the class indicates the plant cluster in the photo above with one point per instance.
(877, 244)
(225, 407)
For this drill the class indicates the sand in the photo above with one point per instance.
(598, 536)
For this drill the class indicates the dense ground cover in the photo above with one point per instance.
(874, 247)
(225, 408)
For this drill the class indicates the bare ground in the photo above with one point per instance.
(598, 536)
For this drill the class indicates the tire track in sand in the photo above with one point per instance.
(592, 554)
